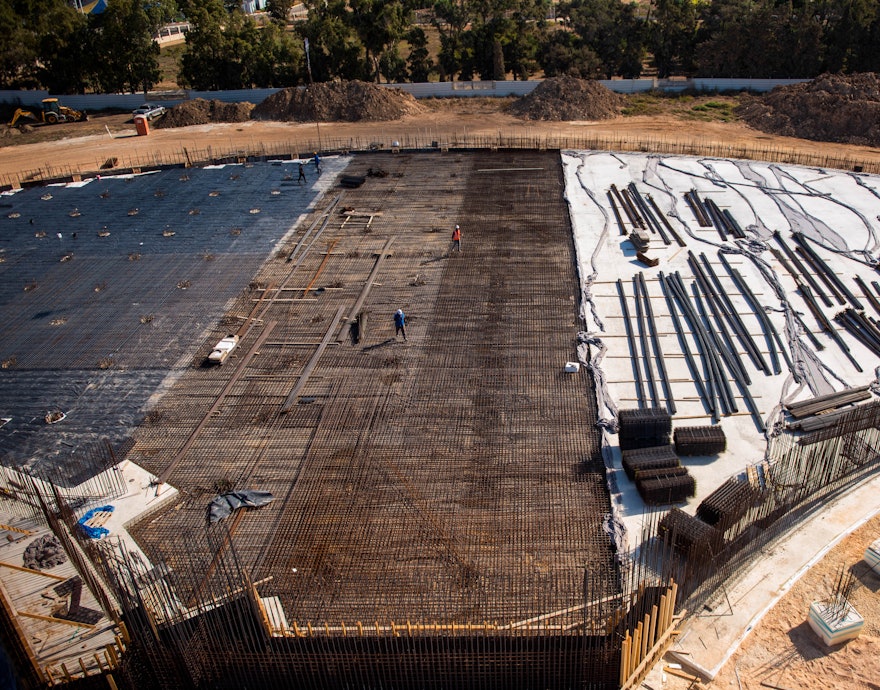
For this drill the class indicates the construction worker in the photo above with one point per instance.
(456, 239)
(317, 160)
(302, 175)
(399, 323)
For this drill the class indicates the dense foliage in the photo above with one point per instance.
(51, 44)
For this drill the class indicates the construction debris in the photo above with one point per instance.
(44, 553)
(225, 504)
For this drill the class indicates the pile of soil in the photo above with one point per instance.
(568, 98)
(831, 107)
(340, 101)
(202, 112)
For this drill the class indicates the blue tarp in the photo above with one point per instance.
(94, 532)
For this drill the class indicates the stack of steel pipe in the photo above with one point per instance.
(647, 213)
(617, 216)
(771, 335)
(862, 328)
(798, 270)
(720, 296)
(872, 299)
(642, 289)
(714, 214)
(827, 326)
(633, 347)
(714, 384)
(697, 207)
(822, 267)
(825, 403)
(628, 207)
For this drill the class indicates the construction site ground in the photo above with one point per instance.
(755, 632)
(397, 406)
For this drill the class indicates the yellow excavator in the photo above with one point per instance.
(50, 113)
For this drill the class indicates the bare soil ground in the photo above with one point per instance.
(784, 652)
(666, 122)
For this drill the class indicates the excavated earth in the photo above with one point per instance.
(202, 112)
(340, 101)
(832, 107)
(568, 98)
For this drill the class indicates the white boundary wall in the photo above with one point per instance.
(448, 89)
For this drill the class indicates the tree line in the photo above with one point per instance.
(51, 44)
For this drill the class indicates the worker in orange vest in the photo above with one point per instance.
(456, 239)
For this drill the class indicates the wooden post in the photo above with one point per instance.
(652, 636)
(112, 658)
(636, 648)
(624, 658)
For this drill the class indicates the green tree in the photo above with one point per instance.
(66, 60)
(202, 63)
(18, 50)
(419, 63)
(451, 17)
(791, 40)
(380, 25)
(279, 10)
(564, 53)
(126, 58)
(672, 35)
(335, 49)
(612, 31)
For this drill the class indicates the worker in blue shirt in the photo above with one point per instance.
(317, 160)
(399, 323)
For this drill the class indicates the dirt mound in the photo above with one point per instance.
(831, 107)
(568, 98)
(341, 101)
(202, 112)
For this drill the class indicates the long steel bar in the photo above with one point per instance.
(696, 375)
(633, 348)
(616, 212)
(665, 221)
(823, 276)
(718, 348)
(734, 318)
(291, 398)
(872, 299)
(801, 239)
(643, 339)
(356, 308)
(770, 332)
(648, 213)
(720, 333)
(797, 269)
(827, 326)
(715, 381)
(658, 352)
